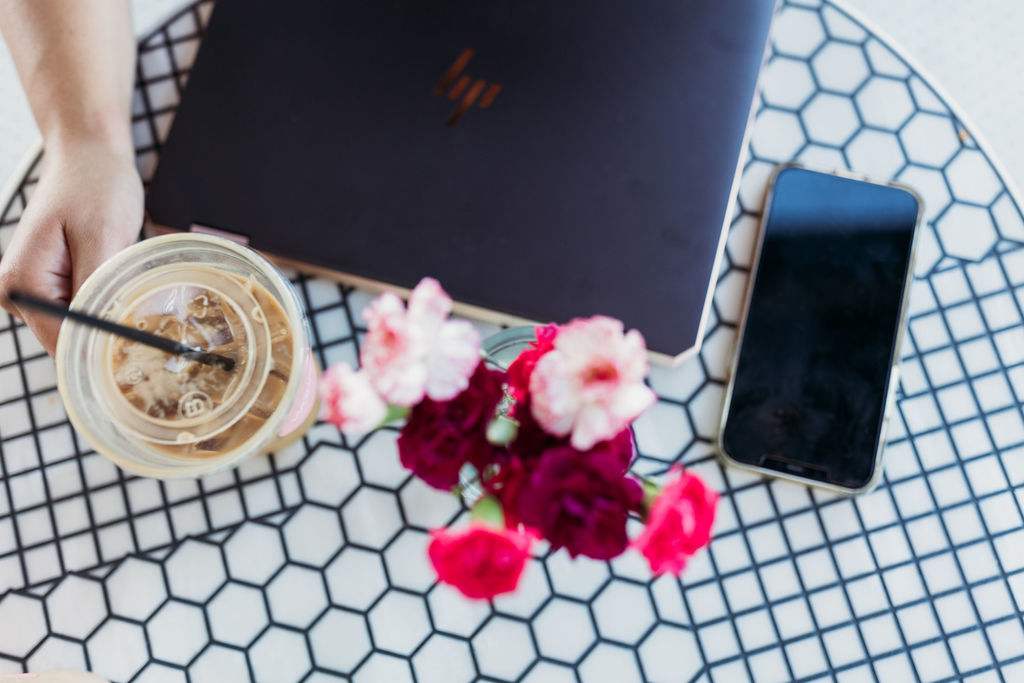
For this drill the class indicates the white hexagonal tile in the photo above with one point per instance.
(329, 475)
(161, 673)
(753, 185)
(453, 613)
(221, 665)
(177, 632)
(296, 596)
(797, 31)
(382, 667)
(787, 83)
(679, 383)
(930, 139)
(356, 578)
(579, 578)
(670, 654)
(378, 460)
(22, 625)
(928, 252)
(608, 662)
(371, 518)
(503, 648)
(313, 535)
(717, 351)
(830, 119)
(777, 135)
(136, 589)
(884, 61)
(663, 431)
(117, 650)
(885, 103)
(563, 630)
(623, 612)
(57, 653)
(279, 656)
(706, 409)
(444, 660)
(972, 178)
(840, 67)
(839, 25)
(237, 614)
(340, 640)
(407, 561)
(254, 553)
(549, 672)
(76, 607)
(966, 232)
(399, 623)
(195, 571)
(730, 294)
(427, 507)
(529, 595)
(930, 184)
(822, 158)
(875, 154)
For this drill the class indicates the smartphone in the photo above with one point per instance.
(815, 367)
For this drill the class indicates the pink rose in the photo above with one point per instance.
(348, 401)
(480, 560)
(416, 351)
(591, 385)
(678, 524)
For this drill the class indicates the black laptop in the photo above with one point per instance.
(544, 160)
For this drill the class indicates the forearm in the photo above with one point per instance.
(76, 61)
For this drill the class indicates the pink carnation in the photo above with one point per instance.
(481, 561)
(416, 351)
(678, 524)
(348, 400)
(591, 385)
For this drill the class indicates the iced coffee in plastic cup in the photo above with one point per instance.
(161, 415)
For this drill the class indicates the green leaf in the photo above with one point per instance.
(395, 414)
(502, 430)
(488, 510)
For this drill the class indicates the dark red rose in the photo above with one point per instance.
(439, 437)
(581, 500)
(522, 367)
(523, 454)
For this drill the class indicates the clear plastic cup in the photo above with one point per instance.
(159, 415)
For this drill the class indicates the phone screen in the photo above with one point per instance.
(815, 363)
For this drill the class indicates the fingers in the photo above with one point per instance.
(36, 263)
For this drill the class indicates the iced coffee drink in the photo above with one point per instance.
(173, 416)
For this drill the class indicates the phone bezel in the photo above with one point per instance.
(901, 326)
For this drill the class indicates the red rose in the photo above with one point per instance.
(678, 525)
(522, 367)
(580, 500)
(531, 442)
(481, 561)
(439, 437)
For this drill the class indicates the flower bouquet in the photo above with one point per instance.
(545, 446)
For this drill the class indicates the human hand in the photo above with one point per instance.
(87, 206)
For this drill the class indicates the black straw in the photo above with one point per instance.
(163, 343)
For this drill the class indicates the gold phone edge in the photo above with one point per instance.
(891, 382)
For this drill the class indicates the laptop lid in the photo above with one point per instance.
(544, 160)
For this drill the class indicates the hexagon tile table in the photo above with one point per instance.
(310, 565)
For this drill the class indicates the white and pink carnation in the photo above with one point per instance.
(349, 401)
(416, 351)
(591, 385)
